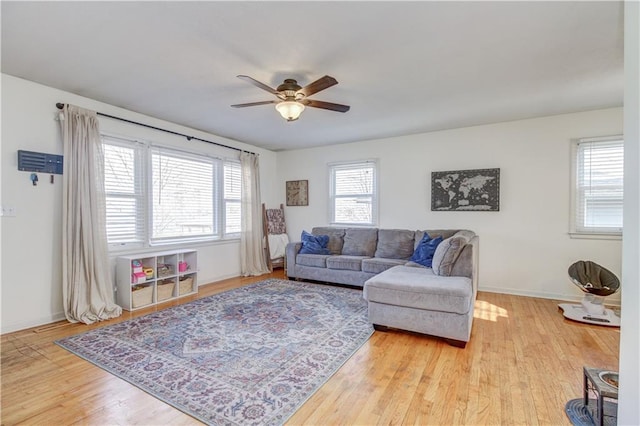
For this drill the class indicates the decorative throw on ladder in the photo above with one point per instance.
(276, 238)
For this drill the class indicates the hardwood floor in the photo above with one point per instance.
(523, 363)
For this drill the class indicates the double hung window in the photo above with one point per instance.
(353, 193)
(598, 186)
(157, 195)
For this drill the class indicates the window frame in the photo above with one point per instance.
(145, 151)
(342, 165)
(577, 230)
(141, 197)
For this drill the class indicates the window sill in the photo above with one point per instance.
(353, 225)
(594, 236)
(133, 249)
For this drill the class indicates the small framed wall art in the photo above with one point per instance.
(297, 193)
(466, 190)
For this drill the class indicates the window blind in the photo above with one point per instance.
(599, 186)
(232, 191)
(183, 195)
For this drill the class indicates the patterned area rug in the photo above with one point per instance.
(252, 355)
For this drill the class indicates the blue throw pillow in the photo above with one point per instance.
(423, 253)
(314, 244)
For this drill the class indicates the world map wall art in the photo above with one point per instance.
(466, 190)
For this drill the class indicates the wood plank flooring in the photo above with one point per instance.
(523, 363)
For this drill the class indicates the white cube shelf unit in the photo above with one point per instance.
(150, 278)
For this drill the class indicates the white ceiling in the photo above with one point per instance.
(403, 67)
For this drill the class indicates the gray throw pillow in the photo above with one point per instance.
(446, 255)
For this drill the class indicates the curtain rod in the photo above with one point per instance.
(60, 105)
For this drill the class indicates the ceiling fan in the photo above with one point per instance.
(292, 98)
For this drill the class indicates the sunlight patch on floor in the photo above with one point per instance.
(488, 311)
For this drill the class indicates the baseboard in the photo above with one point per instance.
(206, 281)
(19, 326)
(543, 295)
(23, 325)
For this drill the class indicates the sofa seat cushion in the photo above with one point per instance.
(316, 260)
(420, 288)
(351, 263)
(377, 264)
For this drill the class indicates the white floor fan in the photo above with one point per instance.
(597, 282)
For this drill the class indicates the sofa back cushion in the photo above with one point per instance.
(395, 244)
(434, 233)
(336, 237)
(360, 242)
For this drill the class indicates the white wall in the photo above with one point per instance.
(31, 241)
(525, 247)
(628, 407)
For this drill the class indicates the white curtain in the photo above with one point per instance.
(252, 257)
(87, 286)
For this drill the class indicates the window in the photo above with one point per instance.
(598, 185)
(354, 193)
(157, 195)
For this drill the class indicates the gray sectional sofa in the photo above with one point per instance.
(401, 294)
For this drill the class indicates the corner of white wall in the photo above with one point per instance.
(628, 407)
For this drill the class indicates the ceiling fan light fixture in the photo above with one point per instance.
(290, 110)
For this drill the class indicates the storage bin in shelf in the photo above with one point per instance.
(141, 295)
(186, 285)
(167, 265)
(165, 289)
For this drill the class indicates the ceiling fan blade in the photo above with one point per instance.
(258, 84)
(254, 104)
(326, 105)
(318, 85)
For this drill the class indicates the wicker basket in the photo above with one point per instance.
(141, 295)
(186, 285)
(165, 289)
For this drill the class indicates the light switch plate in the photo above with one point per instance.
(8, 211)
